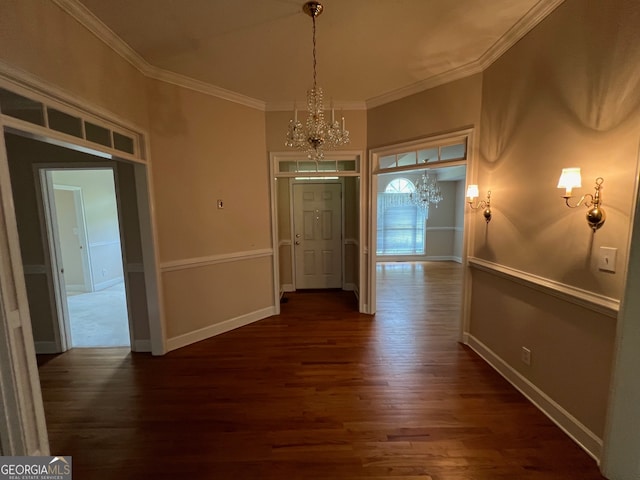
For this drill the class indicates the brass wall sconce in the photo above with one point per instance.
(570, 179)
(472, 194)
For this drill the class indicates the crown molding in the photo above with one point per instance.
(533, 17)
(92, 23)
(203, 87)
(431, 82)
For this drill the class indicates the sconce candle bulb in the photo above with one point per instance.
(570, 179)
(472, 194)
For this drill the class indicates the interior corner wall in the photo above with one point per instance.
(565, 95)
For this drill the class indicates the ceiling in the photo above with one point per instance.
(366, 49)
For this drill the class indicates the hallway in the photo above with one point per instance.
(318, 392)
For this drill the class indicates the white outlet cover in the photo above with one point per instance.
(607, 259)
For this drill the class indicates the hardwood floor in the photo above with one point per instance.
(318, 392)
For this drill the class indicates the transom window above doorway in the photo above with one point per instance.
(446, 152)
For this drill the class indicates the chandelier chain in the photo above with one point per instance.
(316, 134)
(313, 18)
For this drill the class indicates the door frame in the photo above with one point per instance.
(339, 182)
(375, 156)
(52, 245)
(360, 172)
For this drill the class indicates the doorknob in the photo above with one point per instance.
(297, 235)
(297, 242)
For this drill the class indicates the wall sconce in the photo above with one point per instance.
(571, 179)
(472, 194)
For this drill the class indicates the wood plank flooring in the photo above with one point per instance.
(318, 392)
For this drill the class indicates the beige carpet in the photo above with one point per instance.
(99, 319)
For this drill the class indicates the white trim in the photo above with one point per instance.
(27, 84)
(584, 298)
(87, 19)
(213, 260)
(436, 229)
(585, 438)
(218, 328)
(46, 348)
(203, 87)
(463, 71)
(92, 23)
(533, 17)
(288, 287)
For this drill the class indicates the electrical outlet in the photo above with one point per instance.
(525, 356)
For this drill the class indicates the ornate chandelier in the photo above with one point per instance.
(427, 191)
(316, 134)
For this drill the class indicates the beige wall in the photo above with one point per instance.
(206, 149)
(565, 95)
(446, 108)
(38, 37)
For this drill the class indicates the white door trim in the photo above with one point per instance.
(374, 171)
(360, 174)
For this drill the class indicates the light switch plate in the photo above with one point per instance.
(607, 259)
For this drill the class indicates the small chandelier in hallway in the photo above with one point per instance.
(427, 191)
(316, 134)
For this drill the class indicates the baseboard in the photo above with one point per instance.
(287, 287)
(107, 283)
(219, 328)
(141, 346)
(46, 347)
(585, 438)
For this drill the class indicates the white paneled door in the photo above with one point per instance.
(317, 218)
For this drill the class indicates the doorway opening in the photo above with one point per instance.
(81, 216)
(418, 235)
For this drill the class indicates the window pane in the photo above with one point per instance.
(428, 155)
(65, 123)
(20, 107)
(307, 167)
(407, 159)
(122, 143)
(400, 226)
(327, 166)
(97, 134)
(388, 162)
(347, 165)
(453, 152)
